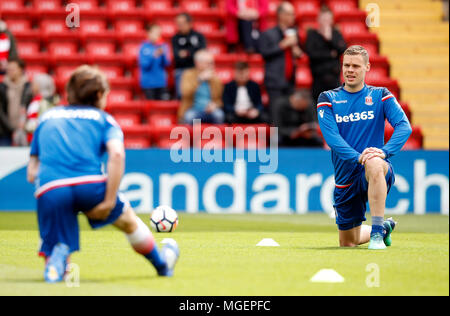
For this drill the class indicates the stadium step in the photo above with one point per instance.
(415, 39)
(418, 5)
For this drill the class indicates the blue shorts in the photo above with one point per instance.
(350, 202)
(58, 214)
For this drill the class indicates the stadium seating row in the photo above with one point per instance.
(112, 31)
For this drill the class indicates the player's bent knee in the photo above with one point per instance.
(375, 167)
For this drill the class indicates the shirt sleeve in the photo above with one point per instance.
(112, 130)
(397, 118)
(331, 133)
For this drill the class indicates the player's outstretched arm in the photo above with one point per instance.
(397, 118)
(331, 133)
(115, 169)
(33, 167)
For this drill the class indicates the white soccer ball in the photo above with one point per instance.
(164, 219)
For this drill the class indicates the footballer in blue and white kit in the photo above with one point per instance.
(66, 166)
(352, 120)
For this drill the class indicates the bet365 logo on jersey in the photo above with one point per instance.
(355, 117)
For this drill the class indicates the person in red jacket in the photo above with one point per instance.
(245, 20)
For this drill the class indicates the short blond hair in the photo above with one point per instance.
(357, 50)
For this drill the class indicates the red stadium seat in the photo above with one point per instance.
(303, 77)
(93, 26)
(129, 29)
(18, 25)
(98, 49)
(414, 142)
(257, 74)
(32, 70)
(407, 110)
(129, 54)
(124, 9)
(339, 6)
(62, 52)
(112, 72)
(158, 6)
(273, 5)
(377, 74)
(137, 131)
(206, 27)
(351, 28)
(217, 48)
(128, 119)
(307, 10)
(89, 8)
(225, 74)
(121, 5)
(167, 143)
(116, 78)
(28, 49)
(131, 106)
(162, 120)
(54, 26)
(168, 27)
(390, 84)
(47, 5)
(22, 29)
(162, 107)
(194, 6)
(101, 51)
(86, 5)
(11, 6)
(62, 75)
(60, 49)
(131, 49)
(120, 96)
(137, 143)
(14, 9)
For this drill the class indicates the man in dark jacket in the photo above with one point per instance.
(324, 47)
(280, 48)
(185, 44)
(242, 98)
(296, 121)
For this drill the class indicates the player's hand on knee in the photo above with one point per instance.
(370, 153)
(101, 211)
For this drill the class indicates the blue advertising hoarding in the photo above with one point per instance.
(291, 181)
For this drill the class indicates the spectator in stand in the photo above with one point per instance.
(44, 98)
(280, 48)
(18, 94)
(325, 47)
(296, 121)
(242, 101)
(201, 92)
(153, 60)
(185, 44)
(7, 46)
(245, 20)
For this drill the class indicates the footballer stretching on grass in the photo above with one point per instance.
(352, 120)
(65, 164)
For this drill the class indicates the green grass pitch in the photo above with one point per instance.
(219, 257)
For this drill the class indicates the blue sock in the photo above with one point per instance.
(377, 226)
(156, 260)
